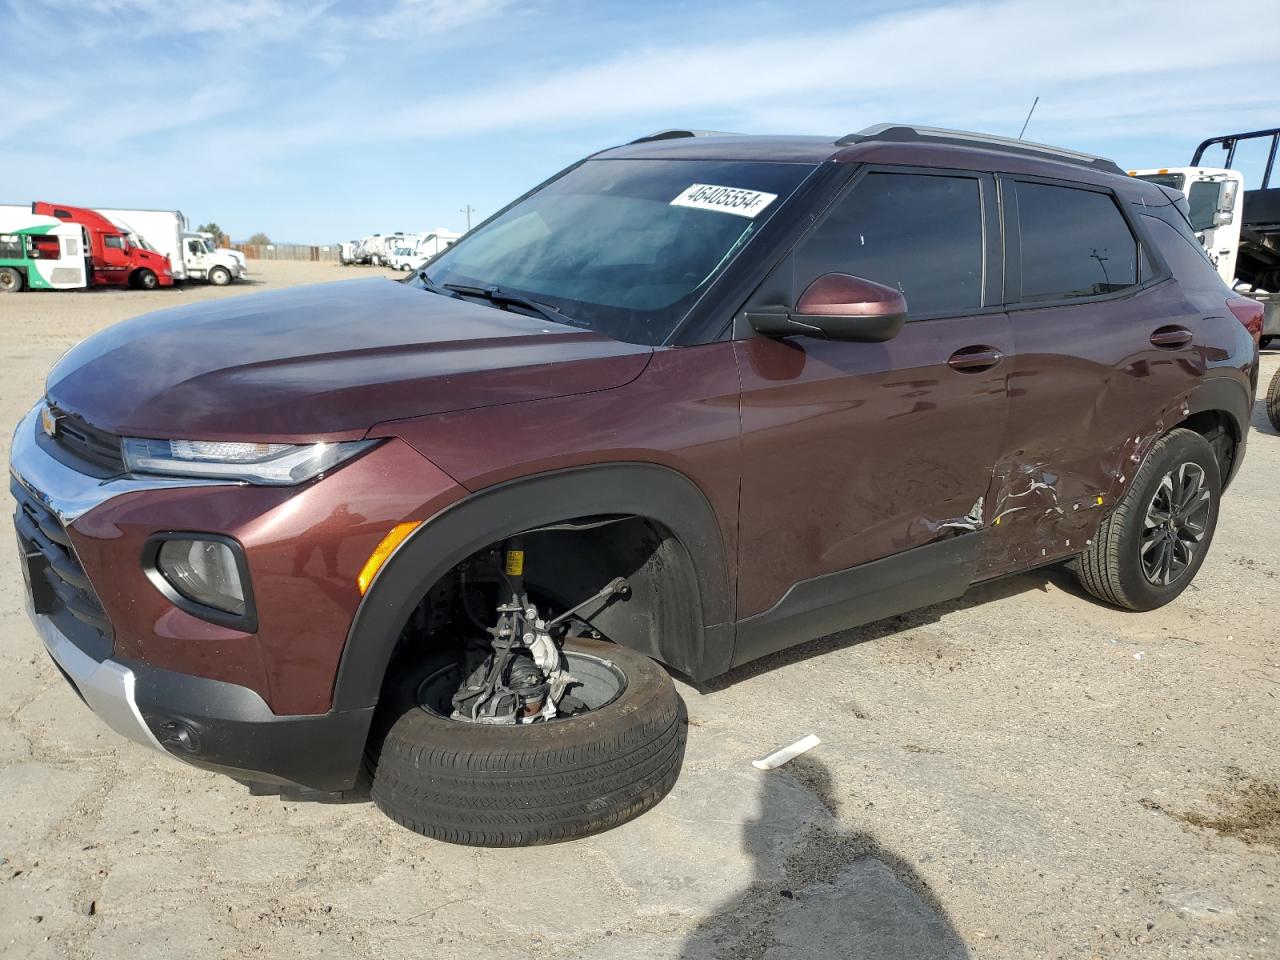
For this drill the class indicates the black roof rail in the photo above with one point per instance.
(681, 134)
(907, 133)
(1229, 142)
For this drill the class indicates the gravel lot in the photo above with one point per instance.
(1020, 773)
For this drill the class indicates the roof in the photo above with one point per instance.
(882, 143)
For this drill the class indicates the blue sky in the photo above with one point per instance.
(316, 122)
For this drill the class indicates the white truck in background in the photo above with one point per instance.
(1239, 227)
(194, 256)
(423, 247)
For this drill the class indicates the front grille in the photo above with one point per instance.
(41, 533)
(86, 441)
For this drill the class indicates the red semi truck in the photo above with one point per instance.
(119, 259)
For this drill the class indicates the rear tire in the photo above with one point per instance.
(506, 786)
(219, 276)
(11, 280)
(146, 280)
(1273, 401)
(1114, 567)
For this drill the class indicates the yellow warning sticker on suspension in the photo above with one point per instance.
(515, 563)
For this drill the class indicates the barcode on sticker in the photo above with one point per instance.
(735, 200)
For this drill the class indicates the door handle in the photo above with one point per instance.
(974, 359)
(1171, 337)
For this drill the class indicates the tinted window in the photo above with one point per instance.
(116, 243)
(1074, 243)
(921, 234)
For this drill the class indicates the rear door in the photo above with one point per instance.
(71, 272)
(1103, 349)
(855, 452)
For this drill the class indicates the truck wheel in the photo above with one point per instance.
(11, 280)
(146, 280)
(1150, 546)
(219, 276)
(1273, 401)
(495, 785)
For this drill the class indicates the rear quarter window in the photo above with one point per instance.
(1073, 243)
(1183, 254)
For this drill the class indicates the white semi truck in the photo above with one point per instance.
(1239, 226)
(194, 256)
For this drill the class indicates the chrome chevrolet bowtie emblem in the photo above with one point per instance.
(49, 422)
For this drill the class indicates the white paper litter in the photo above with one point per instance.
(779, 757)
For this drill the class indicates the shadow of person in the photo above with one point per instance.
(828, 894)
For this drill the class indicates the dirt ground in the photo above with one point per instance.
(1020, 773)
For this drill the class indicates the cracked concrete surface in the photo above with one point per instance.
(990, 784)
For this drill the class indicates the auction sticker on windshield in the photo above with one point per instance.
(735, 200)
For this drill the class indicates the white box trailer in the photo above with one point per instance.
(194, 256)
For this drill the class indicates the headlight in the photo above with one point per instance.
(272, 464)
(204, 572)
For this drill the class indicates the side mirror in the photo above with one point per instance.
(837, 306)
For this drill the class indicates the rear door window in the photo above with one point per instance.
(1073, 243)
(920, 233)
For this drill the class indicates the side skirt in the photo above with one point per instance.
(870, 591)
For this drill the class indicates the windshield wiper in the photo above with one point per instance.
(431, 286)
(498, 297)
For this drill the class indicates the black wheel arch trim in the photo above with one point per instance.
(647, 490)
(1229, 396)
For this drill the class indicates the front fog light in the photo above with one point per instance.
(203, 571)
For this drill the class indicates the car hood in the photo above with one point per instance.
(325, 362)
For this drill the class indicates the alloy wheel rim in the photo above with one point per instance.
(1175, 525)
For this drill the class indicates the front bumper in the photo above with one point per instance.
(211, 723)
(214, 725)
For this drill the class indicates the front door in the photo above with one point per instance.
(855, 452)
(115, 261)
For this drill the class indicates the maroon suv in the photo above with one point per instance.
(693, 400)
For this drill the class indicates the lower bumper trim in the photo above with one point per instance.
(109, 688)
(213, 724)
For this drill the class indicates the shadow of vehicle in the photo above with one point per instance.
(841, 896)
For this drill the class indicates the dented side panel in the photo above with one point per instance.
(1089, 393)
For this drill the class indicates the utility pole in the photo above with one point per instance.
(468, 210)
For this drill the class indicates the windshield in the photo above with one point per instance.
(624, 247)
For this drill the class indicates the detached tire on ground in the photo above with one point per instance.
(1273, 401)
(1169, 511)
(520, 785)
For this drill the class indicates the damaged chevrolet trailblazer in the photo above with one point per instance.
(691, 401)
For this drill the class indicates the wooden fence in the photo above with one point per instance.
(287, 251)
